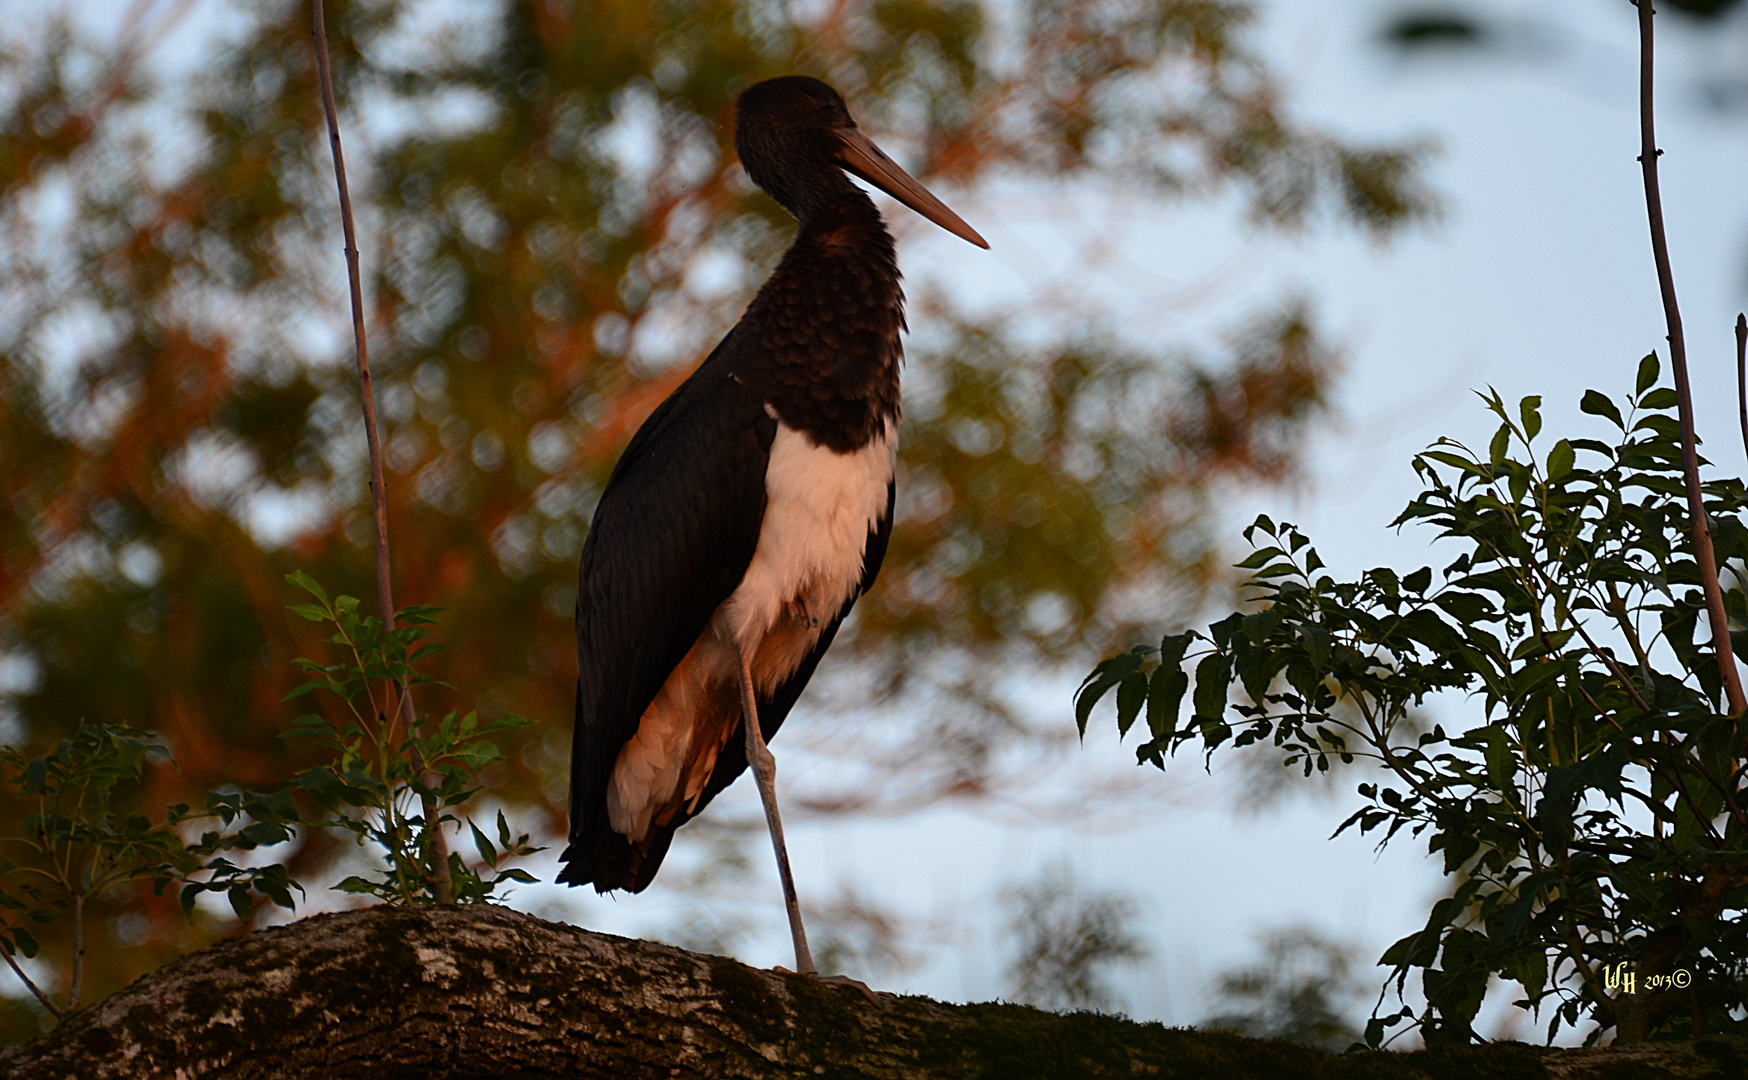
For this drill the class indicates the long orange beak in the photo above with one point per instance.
(861, 157)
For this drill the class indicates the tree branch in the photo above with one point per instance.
(394, 992)
(1702, 536)
(47, 1002)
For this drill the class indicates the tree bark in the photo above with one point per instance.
(435, 993)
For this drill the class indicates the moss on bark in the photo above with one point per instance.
(487, 992)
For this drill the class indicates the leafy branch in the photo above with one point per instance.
(386, 776)
(76, 845)
(1568, 553)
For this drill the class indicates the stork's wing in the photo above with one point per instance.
(732, 761)
(671, 538)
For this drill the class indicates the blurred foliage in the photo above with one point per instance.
(1592, 822)
(1417, 29)
(1066, 939)
(1302, 990)
(75, 846)
(556, 231)
(389, 767)
(1704, 9)
(855, 934)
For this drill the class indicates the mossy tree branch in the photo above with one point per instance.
(393, 992)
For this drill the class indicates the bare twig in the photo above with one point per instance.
(1742, 373)
(1702, 537)
(441, 886)
(47, 1002)
(77, 989)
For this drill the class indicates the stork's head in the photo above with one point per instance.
(796, 139)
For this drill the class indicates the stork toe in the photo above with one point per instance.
(854, 984)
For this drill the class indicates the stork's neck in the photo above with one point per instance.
(821, 339)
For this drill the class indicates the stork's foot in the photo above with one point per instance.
(854, 984)
(868, 992)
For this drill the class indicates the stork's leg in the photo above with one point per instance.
(765, 772)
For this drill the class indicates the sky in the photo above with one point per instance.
(1537, 280)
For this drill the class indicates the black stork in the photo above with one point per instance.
(748, 513)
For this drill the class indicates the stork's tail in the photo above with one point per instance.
(598, 856)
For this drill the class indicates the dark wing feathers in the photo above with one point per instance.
(670, 541)
(732, 761)
(671, 538)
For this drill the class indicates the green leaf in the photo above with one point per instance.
(1560, 460)
(1500, 446)
(1108, 674)
(1131, 695)
(307, 584)
(484, 845)
(1454, 461)
(27, 944)
(1530, 411)
(1213, 675)
(1500, 760)
(1666, 426)
(1318, 645)
(1518, 484)
(1648, 371)
(1599, 404)
(309, 611)
(271, 806)
(1260, 557)
(241, 902)
(277, 890)
(1165, 697)
(1661, 399)
(261, 834)
(311, 686)
(1386, 580)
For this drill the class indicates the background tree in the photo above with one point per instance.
(556, 232)
(1302, 989)
(1065, 940)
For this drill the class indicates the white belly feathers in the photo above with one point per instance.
(819, 508)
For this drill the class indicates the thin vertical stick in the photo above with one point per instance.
(441, 887)
(77, 989)
(1742, 373)
(1702, 536)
